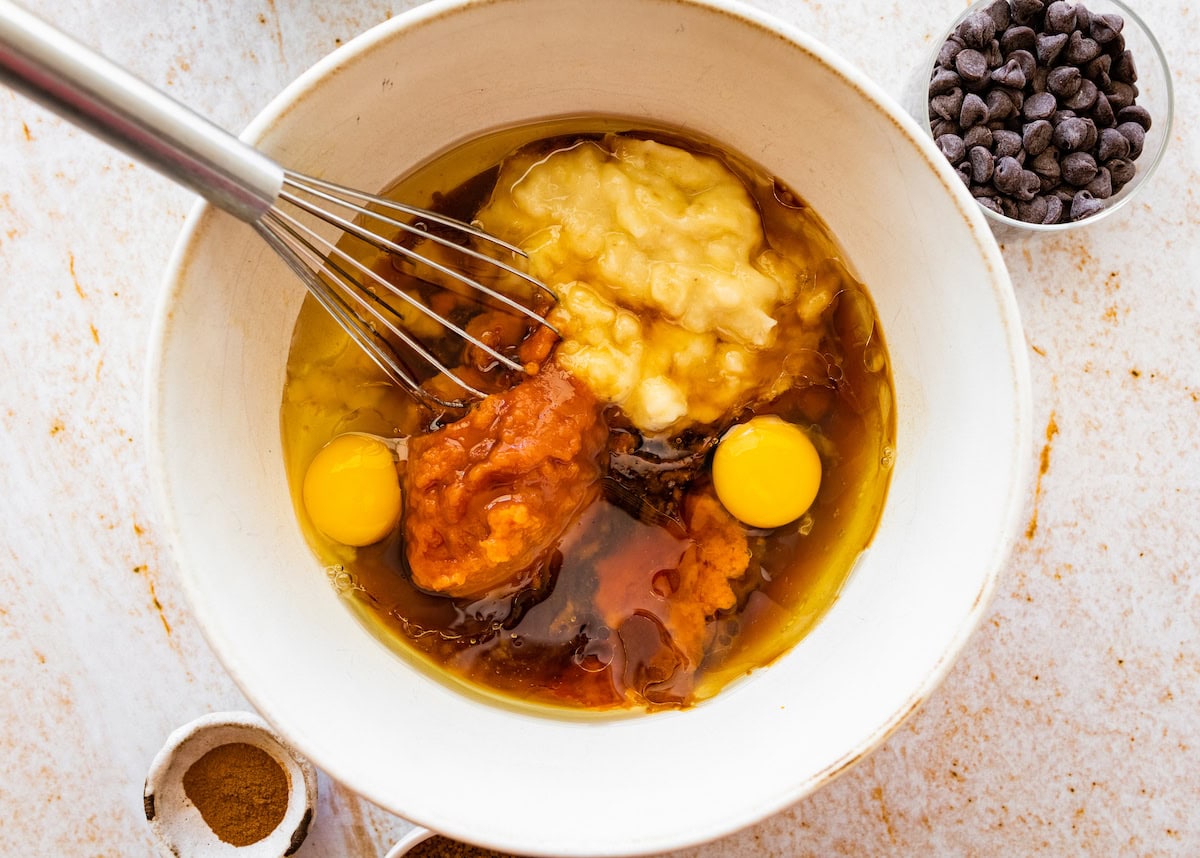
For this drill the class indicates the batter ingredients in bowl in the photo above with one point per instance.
(567, 543)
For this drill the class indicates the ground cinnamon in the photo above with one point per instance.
(444, 847)
(240, 790)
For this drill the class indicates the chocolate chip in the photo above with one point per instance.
(1035, 136)
(1079, 168)
(1081, 49)
(971, 65)
(977, 30)
(1019, 39)
(1025, 60)
(974, 110)
(1037, 80)
(1033, 211)
(1120, 94)
(1054, 210)
(1006, 143)
(1008, 175)
(1001, 14)
(1084, 98)
(1012, 180)
(1105, 27)
(1049, 46)
(944, 126)
(1064, 81)
(1060, 17)
(1091, 134)
(1008, 207)
(1030, 185)
(1071, 135)
(1135, 113)
(1016, 96)
(952, 146)
(1122, 170)
(1040, 105)
(1113, 144)
(943, 81)
(1000, 104)
(948, 51)
(994, 55)
(1101, 187)
(1098, 70)
(1047, 164)
(989, 202)
(1084, 205)
(980, 135)
(1010, 74)
(1023, 11)
(1124, 69)
(982, 164)
(947, 105)
(1136, 135)
(964, 173)
(1083, 19)
(1102, 112)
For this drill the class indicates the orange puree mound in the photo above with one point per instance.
(489, 494)
(662, 615)
(719, 555)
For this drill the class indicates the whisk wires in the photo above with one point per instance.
(361, 301)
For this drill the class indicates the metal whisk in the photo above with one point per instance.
(94, 93)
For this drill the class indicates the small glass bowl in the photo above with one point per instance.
(1155, 93)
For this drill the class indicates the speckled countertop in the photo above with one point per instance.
(1071, 723)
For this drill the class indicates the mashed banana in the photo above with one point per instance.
(667, 286)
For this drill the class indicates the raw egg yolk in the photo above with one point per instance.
(766, 472)
(352, 491)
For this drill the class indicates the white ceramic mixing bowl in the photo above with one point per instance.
(444, 72)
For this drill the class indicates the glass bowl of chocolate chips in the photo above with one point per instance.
(1053, 114)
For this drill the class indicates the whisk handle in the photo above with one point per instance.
(104, 99)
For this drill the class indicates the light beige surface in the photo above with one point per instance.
(1071, 724)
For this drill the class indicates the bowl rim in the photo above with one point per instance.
(1167, 123)
(1000, 287)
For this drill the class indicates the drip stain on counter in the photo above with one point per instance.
(884, 815)
(1043, 468)
(144, 571)
(278, 29)
(74, 279)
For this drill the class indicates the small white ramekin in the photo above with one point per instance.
(175, 820)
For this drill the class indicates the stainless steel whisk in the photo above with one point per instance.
(107, 101)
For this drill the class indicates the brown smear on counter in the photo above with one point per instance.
(1043, 467)
(144, 570)
(278, 27)
(444, 847)
(71, 265)
(240, 790)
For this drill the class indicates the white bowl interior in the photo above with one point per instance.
(540, 785)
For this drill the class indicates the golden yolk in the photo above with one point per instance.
(766, 472)
(352, 491)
